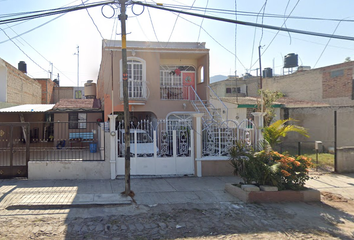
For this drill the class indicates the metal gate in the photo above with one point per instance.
(14, 149)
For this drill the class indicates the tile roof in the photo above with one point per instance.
(287, 102)
(78, 104)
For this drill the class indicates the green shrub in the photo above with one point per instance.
(270, 168)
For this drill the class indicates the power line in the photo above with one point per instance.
(254, 38)
(287, 30)
(201, 24)
(152, 24)
(93, 21)
(252, 24)
(324, 49)
(264, 7)
(23, 51)
(55, 11)
(253, 14)
(214, 40)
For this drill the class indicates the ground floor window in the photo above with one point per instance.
(77, 120)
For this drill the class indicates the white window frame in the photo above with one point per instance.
(143, 80)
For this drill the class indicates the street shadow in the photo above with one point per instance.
(192, 216)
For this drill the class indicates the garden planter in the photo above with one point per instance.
(307, 195)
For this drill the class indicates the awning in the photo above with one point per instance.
(29, 108)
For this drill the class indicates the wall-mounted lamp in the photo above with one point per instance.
(184, 106)
(133, 53)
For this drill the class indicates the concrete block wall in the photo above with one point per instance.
(22, 89)
(305, 85)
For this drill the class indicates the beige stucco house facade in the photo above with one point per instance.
(162, 76)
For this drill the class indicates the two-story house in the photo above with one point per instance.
(163, 77)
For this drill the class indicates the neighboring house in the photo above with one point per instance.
(16, 86)
(236, 87)
(68, 93)
(47, 86)
(163, 78)
(333, 84)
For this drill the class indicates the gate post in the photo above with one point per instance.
(258, 120)
(113, 143)
(199, 143)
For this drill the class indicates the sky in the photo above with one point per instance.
(55, 38)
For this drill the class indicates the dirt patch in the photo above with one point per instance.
(327, 196)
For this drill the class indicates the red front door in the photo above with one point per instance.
(188, 79)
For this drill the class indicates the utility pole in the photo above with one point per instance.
(260, 67)
(260, 81)
(122, 18)
(51, 70)
(78, 60)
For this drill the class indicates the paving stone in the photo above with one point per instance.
(123, 227)
(99, 227)
(139, 226)
(268, 188)
(131, 227)
(162, 225)
(249, 188)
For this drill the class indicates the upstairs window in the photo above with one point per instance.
(78, 94)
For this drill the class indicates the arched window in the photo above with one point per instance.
(201, 74)
(136, 78)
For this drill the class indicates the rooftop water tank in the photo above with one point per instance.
(90, 89)
(267, 73)
(291, 60)
(22, 66)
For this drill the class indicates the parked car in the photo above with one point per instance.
(144, 142)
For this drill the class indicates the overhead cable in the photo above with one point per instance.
(252, 24)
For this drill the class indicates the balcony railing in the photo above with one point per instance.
(137, 90)
(176, 93)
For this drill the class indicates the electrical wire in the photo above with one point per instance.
(254, 38)
(152, 24)
(55, 11)
(252, 14)
(286, 8)
(233, 54)
(264, 7)
(23, 51)
(93, 21)
(324, 49)
(297, 31)
(174, 25)
(201, 24)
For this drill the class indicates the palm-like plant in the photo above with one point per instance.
(278, 129)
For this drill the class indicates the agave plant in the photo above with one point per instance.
(274, 131)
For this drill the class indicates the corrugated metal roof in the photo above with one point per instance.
(29, 108)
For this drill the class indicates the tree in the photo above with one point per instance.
(269, 98)
(280, 128)
(347, 59)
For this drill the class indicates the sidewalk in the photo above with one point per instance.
(342, 184)
(56, 194)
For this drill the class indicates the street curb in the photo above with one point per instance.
(44, 206)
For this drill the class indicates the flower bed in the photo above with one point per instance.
(306, 195)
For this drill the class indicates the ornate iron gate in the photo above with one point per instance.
(14, 149)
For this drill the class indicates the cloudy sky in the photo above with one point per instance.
(55, 38)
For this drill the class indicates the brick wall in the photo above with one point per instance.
(337, 81)
(62, 93)
(21, 89)
(47, 86)
(305, 85)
